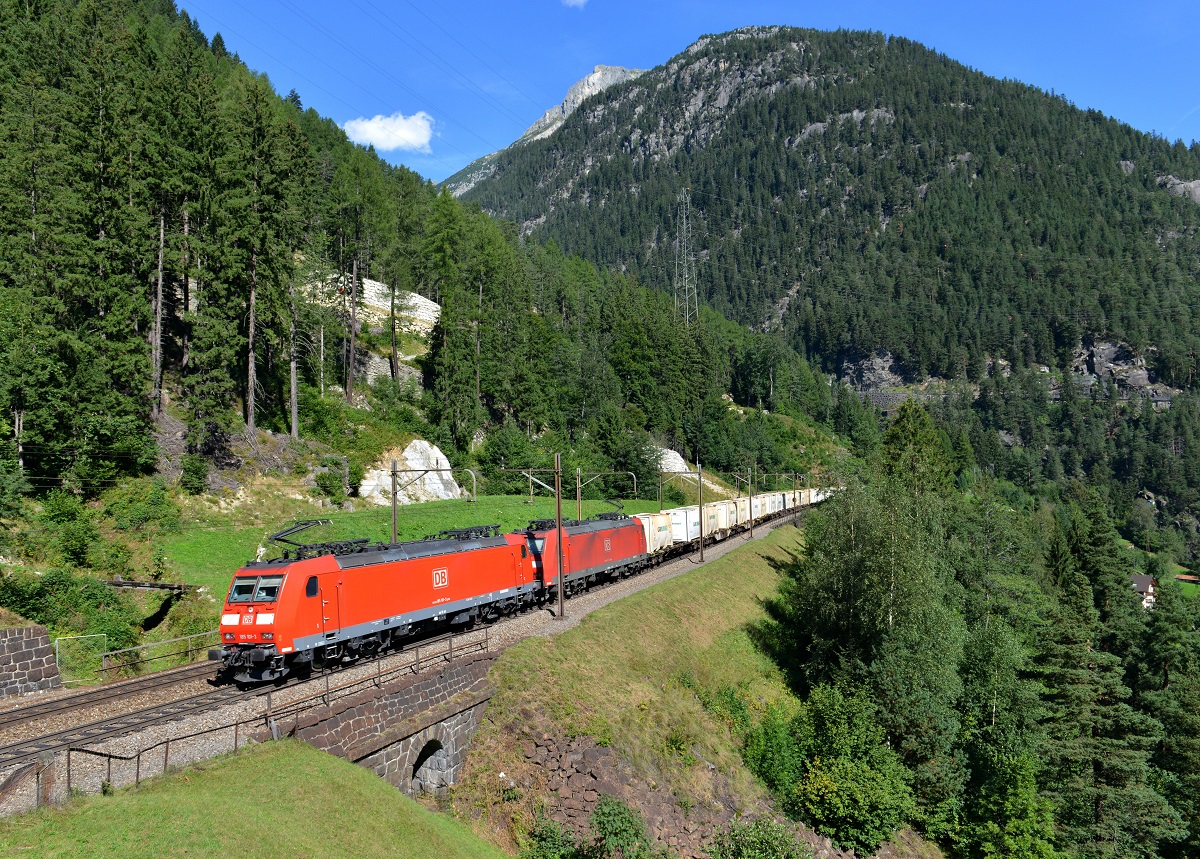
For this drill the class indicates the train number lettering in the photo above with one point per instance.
(441, 578)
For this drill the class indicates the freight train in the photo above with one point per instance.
(323, 604)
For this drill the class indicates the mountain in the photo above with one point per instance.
(600, 79)
(858, 191)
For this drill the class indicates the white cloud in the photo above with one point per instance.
(397, 131)
(575, 4)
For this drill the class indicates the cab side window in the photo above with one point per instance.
(310, 587)
(524, 551)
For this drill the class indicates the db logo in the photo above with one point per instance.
(608, 545)
(247, 619)
(441, 578)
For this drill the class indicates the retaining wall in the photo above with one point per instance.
(26, 661)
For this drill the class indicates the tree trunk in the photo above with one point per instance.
(18, 430)
(187, 288)
(353, 327)
(478, 321)
(250, 379)
(395, 357)
(156, 346)
(292, 394)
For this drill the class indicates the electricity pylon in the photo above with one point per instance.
(687, 302)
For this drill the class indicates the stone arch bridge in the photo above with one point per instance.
(413, 732)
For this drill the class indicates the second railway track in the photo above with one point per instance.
(103, 694)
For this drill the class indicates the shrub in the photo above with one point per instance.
(194, 479)
(72, 603)
(76, 539)
(619, 830)
(831, 767)
(144, 506)
(550, 840)
(761, 839)
(61, 507)
(330, 483)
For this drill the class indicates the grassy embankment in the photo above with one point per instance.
(279, 799)
(632, 675)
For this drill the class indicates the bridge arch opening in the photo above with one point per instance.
(431, 773)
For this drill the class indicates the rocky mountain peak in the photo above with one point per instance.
(600, 79)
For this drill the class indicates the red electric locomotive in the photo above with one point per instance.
(331, 602)
(593, 549)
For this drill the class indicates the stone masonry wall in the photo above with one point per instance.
(26, 661)
(387, 730)
(579, 772)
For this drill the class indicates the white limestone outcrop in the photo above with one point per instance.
(376, 485)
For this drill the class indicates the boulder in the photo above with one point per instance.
(376, 485)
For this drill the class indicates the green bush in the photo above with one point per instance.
(760, 839)
(144, 507)
(831, 767)
(550, 840)
(76, 539)
(619, 830)
(61, 507)
(330, 483)
(194, 479)
(74, 604)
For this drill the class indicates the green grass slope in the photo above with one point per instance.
(620, 679)
(281, 799)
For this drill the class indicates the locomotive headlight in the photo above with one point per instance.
(268, 636)
(229, 636)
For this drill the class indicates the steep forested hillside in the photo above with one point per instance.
(178, 241)
(878, 194)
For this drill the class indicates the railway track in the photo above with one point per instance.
(109, 692)
(129, 722)
(102, 729)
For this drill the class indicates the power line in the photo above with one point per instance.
(406, 37)
(482, 62)
(449, 118)
(440, 159)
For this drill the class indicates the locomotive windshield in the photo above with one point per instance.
(255, 589)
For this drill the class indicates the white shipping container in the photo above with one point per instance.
(685, 524)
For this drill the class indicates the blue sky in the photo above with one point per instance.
(443, 83)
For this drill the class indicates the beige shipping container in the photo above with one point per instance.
(739, 513)
(716, 522)
(657, 528)
(685, 524)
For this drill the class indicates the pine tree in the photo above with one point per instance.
(1098, 747)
